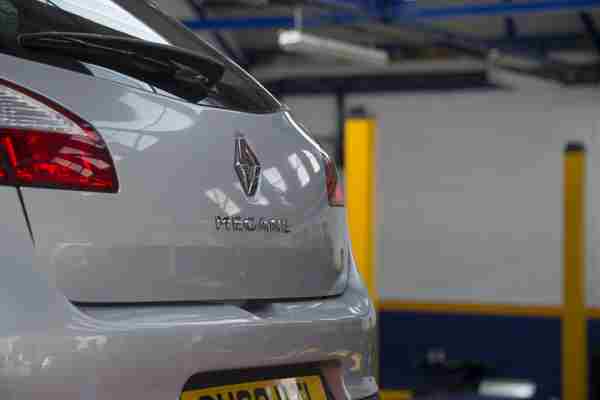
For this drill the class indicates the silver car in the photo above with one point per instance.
(168, 229)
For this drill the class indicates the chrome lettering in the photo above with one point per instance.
(249, 224)
(263, 225)
(275, 225)
(285, 228)
(221, 222)
(237, 224)
(252, 224)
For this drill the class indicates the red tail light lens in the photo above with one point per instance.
(44, 145)
(335, 191)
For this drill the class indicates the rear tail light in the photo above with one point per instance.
(44, 145)
(335, 190)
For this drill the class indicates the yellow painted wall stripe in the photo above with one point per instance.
(471, 308)
(359, 167)
(396, 394)
(517, 310)
(574, 326)
(593, 313)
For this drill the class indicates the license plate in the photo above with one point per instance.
(298, 388)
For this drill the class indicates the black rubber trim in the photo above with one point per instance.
(11, 178)
(242, 303)
(26, 215)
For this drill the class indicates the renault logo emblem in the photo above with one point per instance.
(246, 166)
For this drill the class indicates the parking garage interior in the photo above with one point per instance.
(467, 137)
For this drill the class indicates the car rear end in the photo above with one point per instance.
(164, 237)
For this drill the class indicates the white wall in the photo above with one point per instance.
(319, 114)
(469, 188)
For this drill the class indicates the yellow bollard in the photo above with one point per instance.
(359, 163)
(574, 323)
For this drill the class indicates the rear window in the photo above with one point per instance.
(132, 19)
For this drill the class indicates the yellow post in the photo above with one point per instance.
(574, 324)
(359, 163)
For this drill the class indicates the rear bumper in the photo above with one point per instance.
(109, 353)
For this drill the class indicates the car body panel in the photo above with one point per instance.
(48, 346)
(156, 240)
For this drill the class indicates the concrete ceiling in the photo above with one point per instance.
(406, 44)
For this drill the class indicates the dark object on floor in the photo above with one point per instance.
(450, 376)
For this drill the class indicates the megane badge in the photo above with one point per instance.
(246, 166)
(252, 224)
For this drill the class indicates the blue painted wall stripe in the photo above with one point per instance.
(515, 347)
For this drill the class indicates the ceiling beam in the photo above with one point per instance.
(410, 16)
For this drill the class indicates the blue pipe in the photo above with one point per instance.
(239, 23)
(283, 22)
(400, 11)
(406, 11)
(348, 5)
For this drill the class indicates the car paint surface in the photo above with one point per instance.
(200, 299)
(156, 239)
(50, 347)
